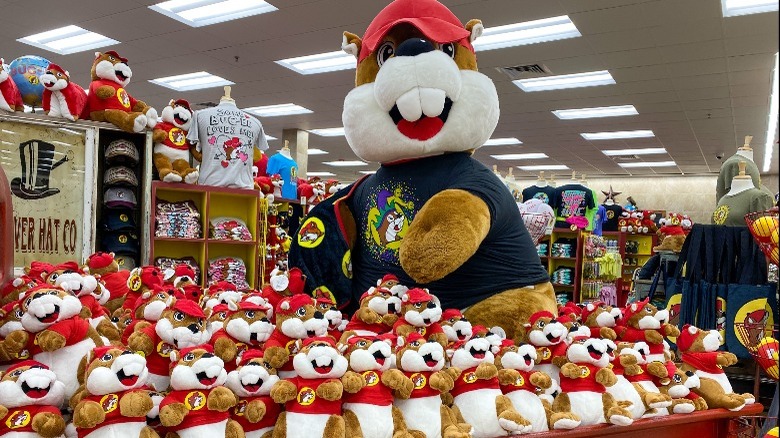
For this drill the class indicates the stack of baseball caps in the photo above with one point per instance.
(118, 226)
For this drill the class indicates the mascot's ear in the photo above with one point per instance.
(476, 28)
(351, 44)
(97, 55)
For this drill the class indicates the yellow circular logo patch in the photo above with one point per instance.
(123, 97)
(195, 400)
(371, 377)
(520, 381)
(545, 353)
(164, 349)
(177, 137)
(292, 347)
(584, 372)
(306, 396)
(346, 264)
(720, 215)
(311, 233)
(134, 283)
(123, 217)
(240, 408)
(470, 377)
(421, 330)
(109, 402)
(419, 380)
(122, 238)
(18, 419)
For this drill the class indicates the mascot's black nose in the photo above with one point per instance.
(414, 47)
(318, 315)
(193, 328)
(431, 305)
(207, 355)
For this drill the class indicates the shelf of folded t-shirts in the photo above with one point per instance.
(211, 202)
(573, 261)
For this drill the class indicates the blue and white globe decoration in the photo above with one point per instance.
(25, 71)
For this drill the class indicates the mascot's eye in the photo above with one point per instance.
(222, 315)
(16, 373)
(106, 357)
(385, 52)
(267, 365)
(415, 344)
(541, 324)
(19, 313)
(53, 293)
(161, 296)
(53, 276)
(677, 378)
(301, 311)
(418, 305)
(250, 314)
(114, 319)
(648, 310)
(128, 321)
(362, 344)
(448, 49)
(189, 357)
(178, 316)
(452, 320)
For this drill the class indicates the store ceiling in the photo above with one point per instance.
(699, 81)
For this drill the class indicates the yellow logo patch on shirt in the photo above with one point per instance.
(195, 400)
(306, 396)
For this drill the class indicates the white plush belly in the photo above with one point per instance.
(213, 430)
(59, 105)
(529, 405)
(588, 405)
(624, 390)
(423, 414)
(375, 421)
(721, 378)
(550, 369)
(259, 432)
(22, 435)
(304, 425)
(119, 430)
(65, 363)
(171, 153)
(649, 386)
(479, 409)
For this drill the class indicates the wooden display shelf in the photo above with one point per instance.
(563, 258)
(231, 242)
(178, 239)
(713, 423)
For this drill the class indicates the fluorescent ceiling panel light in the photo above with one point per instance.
(648, 164)
(771, 128)
(368, 172)
(613, 135)
(315, 151)
(197, 13)
(285, 109)
(320, 174)
(642, 151)
(544, 167)
(328, 132)
(191, 81)
(502, 141)
(528, 32)
(320, 62)
(733, 8)
(345, 163)
(529, 156)
(597, 112)
(562, 82)
(67, 40)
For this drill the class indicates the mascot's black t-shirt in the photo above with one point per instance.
(385, 204)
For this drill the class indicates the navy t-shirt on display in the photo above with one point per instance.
(613, 216)
(571, 200)
(387, 202)
(544, 194)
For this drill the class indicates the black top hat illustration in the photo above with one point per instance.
(37, 159)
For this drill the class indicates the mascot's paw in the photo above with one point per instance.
(192, 177)
(726, 359)
(657, 401)
(352, 382)
(564, 420)
(135, 404)
(541, 380)
(108, 330)
(276, 356)
(442, 382)
(151, 117)
(683, 407)
(608, 333)
(15, 342)
(749, 399)
(221, 399)
(486, 371)
(657, 369)
(514, 423)
(139, 123)
(671, 331)
(653, 337)
(283, 391)
(398, 382)
(255, 411)
(389, 319)
(620, 417)
(606, 377)
(627, 360)
(88, 414)
(225, 349)
(49, 340)
(172, 176)
(48, 425)
(173, 414)
(701, 404)
(330, 391)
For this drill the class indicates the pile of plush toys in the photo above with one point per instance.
(93, 351)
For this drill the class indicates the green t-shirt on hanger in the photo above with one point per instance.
(730, 169)
(732, 209)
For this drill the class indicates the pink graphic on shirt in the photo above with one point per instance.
(572, 200)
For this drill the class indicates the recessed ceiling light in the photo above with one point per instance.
(191, 81)
(320, 62)
(642, 151)
(561, 82)
(544, 167)
(528, 32)
(67, 40)
(771, 129)
(284, 109)
(732, 8)
(597, 112)
(613, 135)
(368, 172)
(345, 163)
(648, 164)
(315, 151)
(529, 156)
(328, 132)
(502, 141)
(320, 174)
(197, 13)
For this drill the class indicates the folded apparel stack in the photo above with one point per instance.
(563, 275)
(229, 228)
(230, 269)
(177, 219)
(168, 263)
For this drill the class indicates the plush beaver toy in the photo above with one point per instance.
(432, 215)
(30, 400)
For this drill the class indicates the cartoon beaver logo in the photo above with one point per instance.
(306, 396)
(109, 402)
(371, 377)
(470, 377)
(18, 420)
(195, 400)
(419, 380)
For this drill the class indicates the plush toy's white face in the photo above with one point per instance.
(416, 97)
(306, 322)
(116, 371)
(367, 355)
(46, 307)
(422, 314)
(546, 331)
(155, 305)
(419, 356)
(11, 321)
(178, 116)
(474, 352)
(521, 358)
(224, 297)
(54, 80)
(111, 68)
(279, 280)
(31, 385)
(182, 330)
(592, 351)
(319, 360)
(678, 386)
(253, 379)
(456, 328)
(384, 302)
(77, 284)
(332, 314)
(198, 369)
(249, 326)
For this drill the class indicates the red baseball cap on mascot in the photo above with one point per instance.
(640, 305)
(57, 68)
(116, 55)
(184, 269)
(686, 338)
(67, 266)
(26, 363)
(451, 313)
(248, 305)
(182, 103)
(221, 286)
(417, 295)
(98, 352)
(586, 313)
(38, 269)
(289, 305)
(151, 276)
(432, 18)
(389, 277)
(414, 336)
(100, 260)
(506, 343)
(188, 307)
(249, 355)
(326, 339)
(535, 317)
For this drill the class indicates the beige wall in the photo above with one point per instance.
(693, 195)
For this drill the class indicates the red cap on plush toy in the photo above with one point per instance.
(590, 308)
(151, 276)
(183, 269)
(535, 317)
(432, 18)
(67, 266)
(221, 286)
(248, 305)
(38, 270)
(417, 295)
(688, 335)
(634, 308)
(26, 363)
(116, 55)
(100, 260)
(188, 307)
(451, 313)
(57, 68)
(319, 339)
(414, 336)
(289, 305)
(249, 355)
(182, 103)
(98, 352)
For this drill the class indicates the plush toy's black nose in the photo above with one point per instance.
(431, 305)
(193, 328)
(206, 355)
(414, 47)
(318, 315)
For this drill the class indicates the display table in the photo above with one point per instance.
(706, 424)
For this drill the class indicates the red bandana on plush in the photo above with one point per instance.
(704, 361)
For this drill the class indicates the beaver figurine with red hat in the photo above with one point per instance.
(30, 400)
(61, 97)
(104, 267)
(432, 215)
(171, 148)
